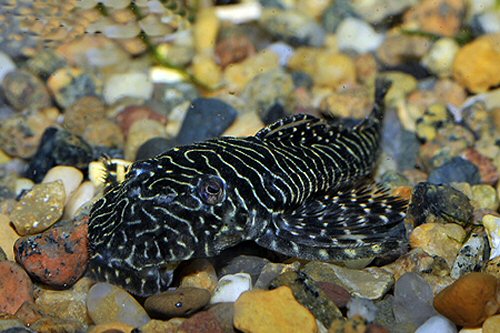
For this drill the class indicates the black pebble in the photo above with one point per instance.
(455, 170)
(206, 118)
(58, 147)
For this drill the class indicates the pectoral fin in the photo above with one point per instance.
(357, 223)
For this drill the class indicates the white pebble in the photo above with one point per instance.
(491, 225)
(132, 84)
(357, 35)
(230, 287)
(70, 176)
(83, 194)
(6, 65)
(437, 324)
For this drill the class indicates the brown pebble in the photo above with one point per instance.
(57, 257)
(15, 287)
(177, 303)
(469, 300)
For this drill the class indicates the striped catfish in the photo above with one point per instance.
(298, 187)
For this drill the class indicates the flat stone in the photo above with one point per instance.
(372, 283)
(107, 303)
(309, 294)
(274, 311)
(58, 257)
(40, 208)
(230, 287)
(15, 287)
(177, 303)
(469, 300)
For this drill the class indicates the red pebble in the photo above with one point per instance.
(57, 257)
(15, 287)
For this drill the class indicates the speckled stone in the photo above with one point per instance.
(24, 90)
(274, 311)
(69, 84)
(40, 208)
(57, 257)
(15, 287)
(70, 304)
(107, 303)
(309, 294)
(371, 283)
(177, 303)
(469, 300)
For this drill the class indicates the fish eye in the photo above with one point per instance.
(211, 189)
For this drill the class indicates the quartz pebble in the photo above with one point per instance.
(276, 311)
(492, 226)
(70, 177)
(370, 283)
(437, 324)
(469, 300)
(107, 303)
(57, 257)
(15, 287)
(177, 303)
(40, 208)
(230, 287)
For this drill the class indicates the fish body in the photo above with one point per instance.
(298, 187)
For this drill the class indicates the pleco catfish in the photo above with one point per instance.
(299, 187)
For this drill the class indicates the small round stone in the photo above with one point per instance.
(177, 303)
(107, 303)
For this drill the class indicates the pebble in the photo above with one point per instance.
(131, 84)
(15, 287)
(442, 17)
(457, 170)
(279, 85)
(25, 91)
(276, 311)
(491, 225)
(230, 287)
(6, 65)
(82, 196)
(139, 133)
(439, 203)
(206, 118)
(39, 209)
(439, 59)
(57, 257)
(372, 283)
(444, 240)
(70, 304)
(82, 113)
(309, 294)
(412, 299)
(471, 256)
(180, 302)
(8, 236)
(69, 84)
(483, 50)
(107, 303)
(491, 324)
(437, 324)
(238, 75)
(357, 35)
(469, 300)
(58, 147)
(70, 177)
(292, 27)
(20, 134)
(330, 69)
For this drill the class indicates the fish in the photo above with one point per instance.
(301, 187)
